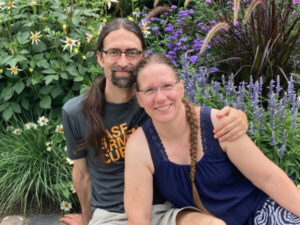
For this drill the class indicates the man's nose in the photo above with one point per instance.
(123, 61)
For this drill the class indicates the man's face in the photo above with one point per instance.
(120, 70)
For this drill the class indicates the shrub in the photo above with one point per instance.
(33, 166)
(46, 53)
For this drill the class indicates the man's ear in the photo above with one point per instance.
(100, 59)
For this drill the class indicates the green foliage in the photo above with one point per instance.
(33, 166)
(45, 57)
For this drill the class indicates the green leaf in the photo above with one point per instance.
(23, 38)
(6, 59)
(49, 71)
(16, 107)
(24, 51)
(7, 93)
(4, 106)
(64, 76)
(50, 78)
(25, 103)
(56, 92)
(40, 47)
(72, 70)
(79, 78)
(46, 89)
(45, 103)
(19, 87)
(89, 54)
(7, 113)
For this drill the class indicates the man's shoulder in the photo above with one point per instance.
(73, 105)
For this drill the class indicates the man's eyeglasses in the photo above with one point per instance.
(115, 53)
(165, 88)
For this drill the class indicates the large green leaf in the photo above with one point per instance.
(45, 103)
(19, 87)
(7, 113)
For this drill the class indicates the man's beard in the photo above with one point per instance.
(122, 81)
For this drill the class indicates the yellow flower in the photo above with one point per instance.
(64, 26)
(30, 70)
(130, 18)
(75, 50)
(35, 37)
(69, 43)
(1, 71)
(84, 57)
(45, 19)
(14, 70)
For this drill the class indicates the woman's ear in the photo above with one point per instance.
(181, 86)
(139, 99)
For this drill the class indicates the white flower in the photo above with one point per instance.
(35, 37)
(69, 43)
(17, 131)
(72, 189)
(145, 28)
(88, 37)
(59, 128)
(66, 206)
(70, 161)
(298, 98)
(14, 70)
(10, 128)
(109, 3)
(66, 148)
(9, 5)
(30, 125)
(2, 8)
(49, 145)
(32, 3)
(43, 121)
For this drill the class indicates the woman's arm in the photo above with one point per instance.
(261, 171)
(233, 124)
(138, 194)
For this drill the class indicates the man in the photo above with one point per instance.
(98, 123)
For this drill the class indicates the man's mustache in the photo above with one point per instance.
(119, 68)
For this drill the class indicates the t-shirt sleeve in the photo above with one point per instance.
(72, 132)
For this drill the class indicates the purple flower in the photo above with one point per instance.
(191, 11)
(150, 52)
(274, 142)
(207, 2)
(183, 14)
(193, 59)
(251, 132)
(173, 7)
(154, 28)
(183, 39)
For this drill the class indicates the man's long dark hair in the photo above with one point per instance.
(93, 102)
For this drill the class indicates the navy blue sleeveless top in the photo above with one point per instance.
(223, 190)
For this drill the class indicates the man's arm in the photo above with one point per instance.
(82, 184)
(233, 124)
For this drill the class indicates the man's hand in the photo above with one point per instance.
(73, 219)
(234, 124)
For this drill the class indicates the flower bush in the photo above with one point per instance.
(46, 53)
(34, 167)
(274, 128)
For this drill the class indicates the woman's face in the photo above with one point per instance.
(160, 93)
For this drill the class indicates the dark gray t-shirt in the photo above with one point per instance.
(107, 180)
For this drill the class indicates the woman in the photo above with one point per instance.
(233, 181)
